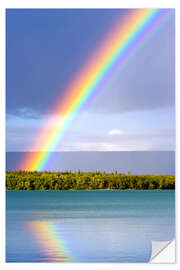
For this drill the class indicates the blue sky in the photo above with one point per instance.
(134, 110)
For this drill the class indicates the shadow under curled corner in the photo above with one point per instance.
(163, 252)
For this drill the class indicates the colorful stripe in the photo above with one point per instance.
(114, 49)
(49, 238)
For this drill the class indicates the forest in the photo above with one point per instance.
(26, 180)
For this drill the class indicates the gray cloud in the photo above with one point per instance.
(147, 82)
(38, 71)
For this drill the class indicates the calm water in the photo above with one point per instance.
(138, 162)
(86, 226)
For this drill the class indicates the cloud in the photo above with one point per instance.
(147, 82)
(21, 139)
(152, 140)
(116, 132)
(39, 69)
(98, 146)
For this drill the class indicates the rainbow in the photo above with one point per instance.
(114, 49)
(47, 235)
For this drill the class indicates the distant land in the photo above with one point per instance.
(23, 180)
(136, 162)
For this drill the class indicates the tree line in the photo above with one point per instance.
(26, 180)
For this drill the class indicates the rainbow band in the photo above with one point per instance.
(114, 47)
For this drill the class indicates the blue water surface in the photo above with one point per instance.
(86, 226)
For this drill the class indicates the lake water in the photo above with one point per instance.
(86, 226)
(137, 162)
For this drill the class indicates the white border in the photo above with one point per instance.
(74, 4)
(91, 4)
(2, 134)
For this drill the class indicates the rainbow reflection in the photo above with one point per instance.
(50, 239)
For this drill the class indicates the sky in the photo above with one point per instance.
(45, 49)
